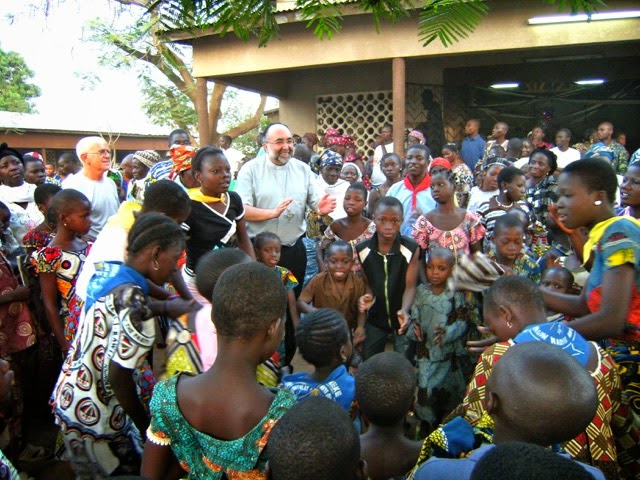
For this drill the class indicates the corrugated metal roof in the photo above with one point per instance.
(56, 123)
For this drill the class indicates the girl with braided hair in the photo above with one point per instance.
(97, 398)
(324, 341)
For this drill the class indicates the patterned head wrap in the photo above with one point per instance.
(348, 141)
(181, 156)
(147, 157)
(34, 155)
(440, 162)
(418, 134)
(491, 161)
(337, 140)
(332, 132)
(352, 157)
(330, 159)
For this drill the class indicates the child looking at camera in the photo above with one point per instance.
(338, 288)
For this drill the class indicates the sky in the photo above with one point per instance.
(55, 48)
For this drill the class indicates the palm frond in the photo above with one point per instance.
(447, 20)
(576, 6)
(450, 20)
(323, 16)
(389, 10)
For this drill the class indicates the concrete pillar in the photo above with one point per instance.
(399, 78)
(203, 110)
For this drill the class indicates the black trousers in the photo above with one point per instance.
(293, 258)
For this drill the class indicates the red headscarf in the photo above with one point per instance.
(440, 162)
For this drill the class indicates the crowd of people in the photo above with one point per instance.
(467, 315)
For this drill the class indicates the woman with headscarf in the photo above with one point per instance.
(330, 182)
(415, 137)
(489, 183)
(17, 194)
(143, 160)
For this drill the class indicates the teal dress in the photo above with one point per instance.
(442, 368)
(202, 455)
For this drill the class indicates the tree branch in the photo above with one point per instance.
(249, 123)
(215, 110)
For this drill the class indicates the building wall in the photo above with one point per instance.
(297, 67)
(505, 28)
(52, 145)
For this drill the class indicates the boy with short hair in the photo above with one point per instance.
(304, 444)
(338, 288)
(385, 389)
(390, 267)
(536, 394)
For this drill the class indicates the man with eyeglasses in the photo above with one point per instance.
(95, 155)
(276, 189)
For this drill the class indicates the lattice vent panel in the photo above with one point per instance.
(361, 115)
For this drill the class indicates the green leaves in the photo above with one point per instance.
(450, 20)
(16, 93)
(323, 16)
(576, 6)
(389, 10)
(446, 20)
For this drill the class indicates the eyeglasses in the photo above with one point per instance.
(100, 152)
(280, 142)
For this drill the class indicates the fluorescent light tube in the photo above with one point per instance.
(584, 17)
(595, 81)
(505, 85)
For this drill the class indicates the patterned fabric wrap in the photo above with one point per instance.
(66, 266)
(7, 472)
(182, 352)
(181, 156)
(457, 438)
(595, 445)
(17, 327)
(99, 435)
(443, 369)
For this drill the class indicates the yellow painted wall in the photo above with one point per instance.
(505, 28)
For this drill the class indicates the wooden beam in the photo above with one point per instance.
(398, 86)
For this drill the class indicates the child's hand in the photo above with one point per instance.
(417, 331)
(358, 336)
(479, 346)
(20, 293)
(365, 302)
(403, 318)
(177, 307)
(439, 332)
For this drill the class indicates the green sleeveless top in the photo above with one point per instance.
(202, 455)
